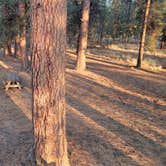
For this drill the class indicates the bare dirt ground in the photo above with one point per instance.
(116, 115)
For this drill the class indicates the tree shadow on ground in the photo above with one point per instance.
(15, 133)
(89, 139)
(143, 84)
(141, 146)
(138, 121)
(93, 89)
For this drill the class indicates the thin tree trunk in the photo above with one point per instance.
(101, 37)
(9, 49)
(128, 20)
(163, 39)
(6, 52)
(142, 43)
(101, 31)
(78, 39)
(129, 5)
(83, 37)
(23, 52)
(48, 44)
(162, 44)
(16, 47)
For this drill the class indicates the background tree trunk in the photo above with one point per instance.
(9, 48)
(142, 43)
(128, 19)
(6, 51)
(83, 37)
(16, 47)
(48, 38)
(23, 52)
(163, 39)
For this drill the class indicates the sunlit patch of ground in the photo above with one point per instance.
(126, 54)
(116, 114)
(123, 107)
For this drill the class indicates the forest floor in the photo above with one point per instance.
(116, 114)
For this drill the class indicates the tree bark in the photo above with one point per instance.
(9, 48)
(6, 52)
(142, 42)
(23, 52)
(16, 47)
(128, 19)
(83, 37)
(163, 39)
(162, 44)
(48, 44)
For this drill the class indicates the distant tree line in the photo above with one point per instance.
(109, 21)
(119, 20)
(14, 29)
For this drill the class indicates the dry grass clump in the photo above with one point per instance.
(152, 64)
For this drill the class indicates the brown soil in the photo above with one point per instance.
(115, 114)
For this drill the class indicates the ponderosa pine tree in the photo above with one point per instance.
(156, 24)
(22, 40)
(83, 37)
(48, 38)
(143, 35)
(163, 39)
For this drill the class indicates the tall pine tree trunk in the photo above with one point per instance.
(16, 47)
(83, 37)
(142, 42)
(6, 51)
(48, 38)
(23, 52)
(9, 48)
(163, 38)
(128, 19)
